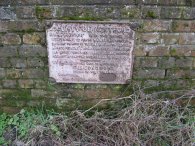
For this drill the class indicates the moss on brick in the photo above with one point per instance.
(174, 26)
(42, 12)
(168, 88)
(78, 86)
(87, 18)
(173, 52)
(151, 14)
(29, 30)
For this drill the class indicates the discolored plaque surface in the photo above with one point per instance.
(90, 52)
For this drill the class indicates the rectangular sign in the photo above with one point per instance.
(90, 52)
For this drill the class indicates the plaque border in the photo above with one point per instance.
(49, 24)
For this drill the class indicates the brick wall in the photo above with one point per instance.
(164, 49)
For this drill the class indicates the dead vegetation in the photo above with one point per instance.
(136, 120)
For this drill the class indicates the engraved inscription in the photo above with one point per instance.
(88, 52)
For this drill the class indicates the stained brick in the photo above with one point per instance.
(23, 25)
(34, 103)
(38, 93)
(167, 62)
(22, 2)
(194, 63)
(9, 83)
(167, 2)
(34, 74)
(32, 50)
(15, 93)
(192, 27)
(158, 50)
(40, 84)
(183, 83)
(193, 53)
(71, 2)
(184, 62)
(152, 50)
(11, 39)
(149, 73)
(2, 73)
(152, 2)
(34, 38)
(99, 93)
(7, 13)
(6, 2)
(137, 62)
(150, 38)
(90, 2)
(171, 12)
(192, 74)
(183, 26)
(13, 73)
(129, 12)
(187, 39)
(25, 12)
(1, 36)
(139, 51)
(156, 25)
(86, 12)
(10, 110)
(151, 83)
(92, 12)
(35, 62)
(66, 12)
(18, 62)
(184, 2)
(8, 51)
(26, 83)
(189, 13)
(179, 73)
(172, 2)
(31, 2)
(149, 62)
(182, 50)
(170, 38)
(3, 26)
(4, 62)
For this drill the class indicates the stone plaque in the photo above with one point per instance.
(90, 52)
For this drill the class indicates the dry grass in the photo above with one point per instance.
(136, 120)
